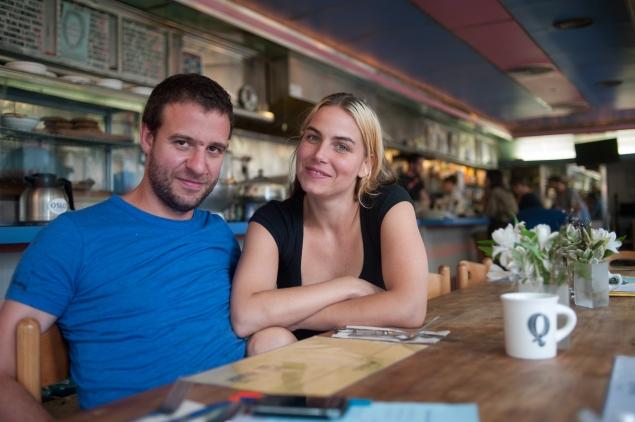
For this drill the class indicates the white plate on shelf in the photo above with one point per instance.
(110, 83)
(77, 79)
(141, 90)
(31, 67)
(20, 123)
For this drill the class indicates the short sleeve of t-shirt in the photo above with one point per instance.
(272, 217)
(388, 196)
(283, 220)
(44, 277)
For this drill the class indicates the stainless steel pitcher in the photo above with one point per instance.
(45, 197)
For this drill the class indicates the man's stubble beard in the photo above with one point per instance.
(161, 185)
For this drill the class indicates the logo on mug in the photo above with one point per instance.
(532, 324)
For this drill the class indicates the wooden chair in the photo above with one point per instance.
(622, 256)
(469, 273)
(439, 284)
(41, 359)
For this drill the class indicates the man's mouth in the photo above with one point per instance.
(191, 183)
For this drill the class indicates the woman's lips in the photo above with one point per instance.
(315, 172)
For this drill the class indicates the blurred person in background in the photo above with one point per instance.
(524, 194)
(594, 203)
(412, 181)
(567, 199)
(499, 203)
(453, 200)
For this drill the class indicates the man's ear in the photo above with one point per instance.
(146, 139)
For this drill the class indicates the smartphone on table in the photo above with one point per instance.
(305, 406)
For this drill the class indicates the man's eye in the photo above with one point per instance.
(181, 143)
(215, 149)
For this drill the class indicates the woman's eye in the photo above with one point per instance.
(341, 147)
(311, 138)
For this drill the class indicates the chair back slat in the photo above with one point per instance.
(41, 359)
(469, 273)
(439, 284)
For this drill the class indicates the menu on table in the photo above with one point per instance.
(317, 366)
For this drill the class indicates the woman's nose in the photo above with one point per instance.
(320, 152)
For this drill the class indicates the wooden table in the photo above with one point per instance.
(471, 366)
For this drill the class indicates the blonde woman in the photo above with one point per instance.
(343, 249)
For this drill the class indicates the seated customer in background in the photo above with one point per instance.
(567, 199)
(344, 249)
(452, 201)
(499, 203)
(139, 284)
(524, 195)
(531, 210)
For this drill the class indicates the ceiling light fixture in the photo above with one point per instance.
(572, 23)
(532, 69)
(610, 83)
(570, 107)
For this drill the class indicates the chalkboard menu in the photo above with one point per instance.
(22, 26)
(143, 51)
(85, 36)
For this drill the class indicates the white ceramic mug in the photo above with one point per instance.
(531, 330)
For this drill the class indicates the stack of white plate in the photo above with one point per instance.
(110, 83)
(31, 67)
(141, 90)
(77, 79)
(19, 122)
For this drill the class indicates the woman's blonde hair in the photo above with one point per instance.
(368, 124)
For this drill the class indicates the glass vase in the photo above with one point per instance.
(591, 284)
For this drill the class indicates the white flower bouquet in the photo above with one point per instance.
(584, 244)
(525, 255)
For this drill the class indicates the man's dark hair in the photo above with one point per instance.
(555, 179)
(519, 180)
(495, 178)
(184, 88)
(452, 179)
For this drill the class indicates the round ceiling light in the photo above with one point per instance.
(570, 107)
(572, 23)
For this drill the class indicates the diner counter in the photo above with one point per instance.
(26, 233)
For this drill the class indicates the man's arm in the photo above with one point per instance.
(16, 404)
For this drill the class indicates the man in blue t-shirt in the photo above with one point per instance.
(139, 284)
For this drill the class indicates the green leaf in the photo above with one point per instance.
(487, 250)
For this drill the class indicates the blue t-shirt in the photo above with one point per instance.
(140, 299)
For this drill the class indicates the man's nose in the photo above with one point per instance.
(197, 162)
